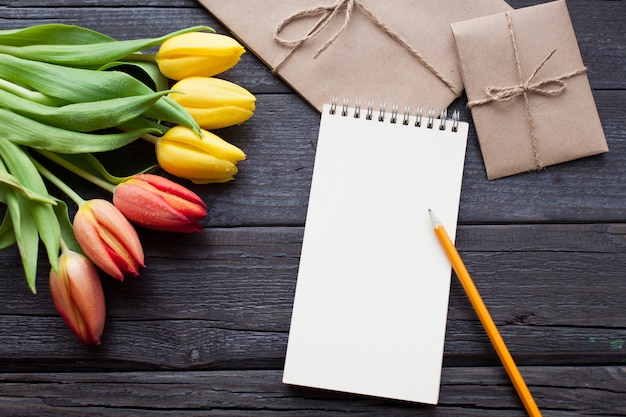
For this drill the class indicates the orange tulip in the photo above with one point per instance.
(108, 238)
(77, 294)
(157, 203)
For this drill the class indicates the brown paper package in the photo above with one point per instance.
(363, 62)
(524, 121)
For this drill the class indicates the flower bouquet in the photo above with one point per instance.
(68, 93)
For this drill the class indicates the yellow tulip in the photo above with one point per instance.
(214, 103)
(197, 54)
(202, 160)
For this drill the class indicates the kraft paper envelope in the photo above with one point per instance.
(367, 59)
(540, 113)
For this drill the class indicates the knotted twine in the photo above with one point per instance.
(328, 13)
(502, 94)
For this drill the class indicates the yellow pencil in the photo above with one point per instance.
(485, 318)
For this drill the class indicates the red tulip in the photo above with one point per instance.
(77, 294)
(157, 203)
(108, 238)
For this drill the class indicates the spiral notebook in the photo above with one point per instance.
(371, 299)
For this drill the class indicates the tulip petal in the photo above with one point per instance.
(147, 208)
(59, 290)
(77, 294)
(157, 203)
(87, 295)
(198, 54)
(115, 226)
(214, 103)
(171, 188)
(89, 240)
(108, 238)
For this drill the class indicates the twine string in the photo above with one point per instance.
(525, 87)
(328, 13)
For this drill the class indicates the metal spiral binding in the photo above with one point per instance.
(344, 107)
(406, 114)
(333, 105)
(394, 113)
(370, 106)
(393, 118)
(455, 121)
(431, 118)
(442, 119)
(418, 117)
(357, 108)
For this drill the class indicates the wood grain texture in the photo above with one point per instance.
(203, 331)
(477, 391)
(230, 302)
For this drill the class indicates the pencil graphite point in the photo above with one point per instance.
(433, 219)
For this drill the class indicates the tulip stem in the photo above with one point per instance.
(58, 183)
(63, 245)
(141, 57)
(77, 170)
(22, 92)
(150, 138)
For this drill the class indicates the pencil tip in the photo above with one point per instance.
(433, 219)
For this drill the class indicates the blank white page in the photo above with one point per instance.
(371, 301)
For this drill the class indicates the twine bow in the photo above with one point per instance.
(328, 13)
(502, 94)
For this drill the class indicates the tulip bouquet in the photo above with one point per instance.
(68, 93)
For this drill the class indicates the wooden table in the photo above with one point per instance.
(203, 331)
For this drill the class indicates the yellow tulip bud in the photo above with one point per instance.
(214, 103)
(202, 160)
(197, 54)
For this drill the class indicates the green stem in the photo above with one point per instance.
(150, 138)
(63, 246)
(76, 170)
(141, 57)
(31, 95)
(59, 184)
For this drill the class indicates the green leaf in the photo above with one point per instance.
(67, 231)
(87, 162)
(88, 86)
(50, 34)
(25, 93)
(7, 235)
(26, 236)
(143, 123)
(24, 131)
(90, 55)
(83, 117)
(46, 224)
(11, 181)
(146, 72)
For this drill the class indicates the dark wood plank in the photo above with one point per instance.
(480, 391)
(210, 300)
